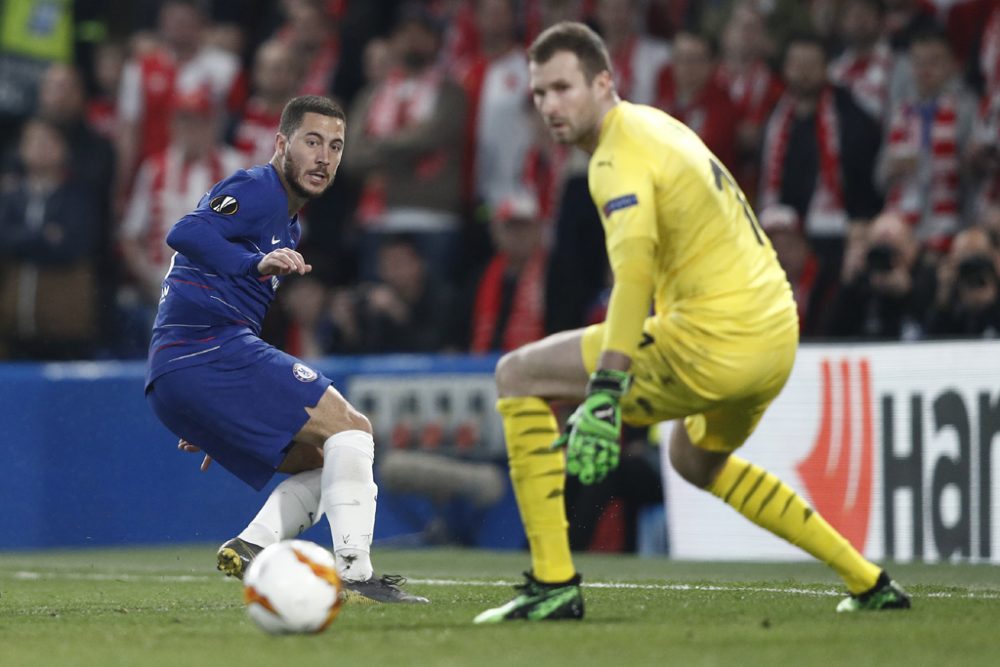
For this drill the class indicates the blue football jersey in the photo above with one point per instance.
(213, 295)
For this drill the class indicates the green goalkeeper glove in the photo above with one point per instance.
(594, 429)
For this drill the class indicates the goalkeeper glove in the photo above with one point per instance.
(594, 429)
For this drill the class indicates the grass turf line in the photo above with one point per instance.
(168, 607)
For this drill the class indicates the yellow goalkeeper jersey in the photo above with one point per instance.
(716, 278)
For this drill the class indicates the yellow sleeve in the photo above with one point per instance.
(624, 195)
(631, 295)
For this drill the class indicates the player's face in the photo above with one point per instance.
(311, 156)
(569, 105)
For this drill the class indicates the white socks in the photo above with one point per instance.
(292, 507)
(348, 498)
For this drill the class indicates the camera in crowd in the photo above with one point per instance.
(976, 272)
(881, 258)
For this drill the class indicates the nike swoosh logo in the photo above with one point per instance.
(275, 240)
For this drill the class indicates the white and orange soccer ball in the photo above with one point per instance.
(293, 587)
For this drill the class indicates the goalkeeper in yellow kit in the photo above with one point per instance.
(716, 351)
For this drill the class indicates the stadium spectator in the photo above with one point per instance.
(541, 14)
(304, 306)
(167, 186)
(310, 33)
(812, 296)
(903, 19)
(865, 65)
(819, 153)
(406, 309)
(967, 302)
(406, 137)
(920, 167)
(102, 107)
(49, 226)
(973, 29)
(62, 99)
(906, 18)
(509, 306)
(782, 18)
(177, 63)
(275, 78)
(753, 87)
(688, 91)
(495, 79)
(887, 285)
(636, 57)
(578, 261)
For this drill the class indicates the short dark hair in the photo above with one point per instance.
(931, 36)
(577, 39)
(710, 43)
(297, 107)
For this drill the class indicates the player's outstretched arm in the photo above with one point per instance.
(203, 242)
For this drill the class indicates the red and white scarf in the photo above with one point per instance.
(826, 215)
(930, 197)
(526, 322)
(751, 89)
(401, 102)
(398, 103)
(867, 77)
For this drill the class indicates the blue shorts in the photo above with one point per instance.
(242, 410)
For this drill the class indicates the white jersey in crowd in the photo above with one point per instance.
(503, 126)
(166, 189)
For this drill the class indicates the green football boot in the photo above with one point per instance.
(538, 601)
(885, 594)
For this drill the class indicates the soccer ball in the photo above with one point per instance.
(293, 587)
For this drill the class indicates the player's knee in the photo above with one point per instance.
(358, 422)
(684, 467)
(695, 466)
(510, 374)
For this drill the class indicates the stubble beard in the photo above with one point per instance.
(290, 172)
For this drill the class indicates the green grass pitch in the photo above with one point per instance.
(169, 607)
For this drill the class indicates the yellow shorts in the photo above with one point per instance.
(720, 393)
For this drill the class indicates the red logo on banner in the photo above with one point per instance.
(838, 472)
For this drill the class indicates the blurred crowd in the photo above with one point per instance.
(866, 132)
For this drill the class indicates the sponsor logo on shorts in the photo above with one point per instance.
(303, 373)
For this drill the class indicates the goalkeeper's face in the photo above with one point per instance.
(570, 105)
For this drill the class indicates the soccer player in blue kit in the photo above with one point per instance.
(256, 410)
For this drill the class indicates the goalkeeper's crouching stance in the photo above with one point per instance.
(718, 348)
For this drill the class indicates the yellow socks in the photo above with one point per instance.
(539, 478)
(771, 504)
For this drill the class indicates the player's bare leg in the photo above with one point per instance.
(771, 504)
(526, 378)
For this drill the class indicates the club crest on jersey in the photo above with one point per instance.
(224, 204)
(618, 203)
(303, 373)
